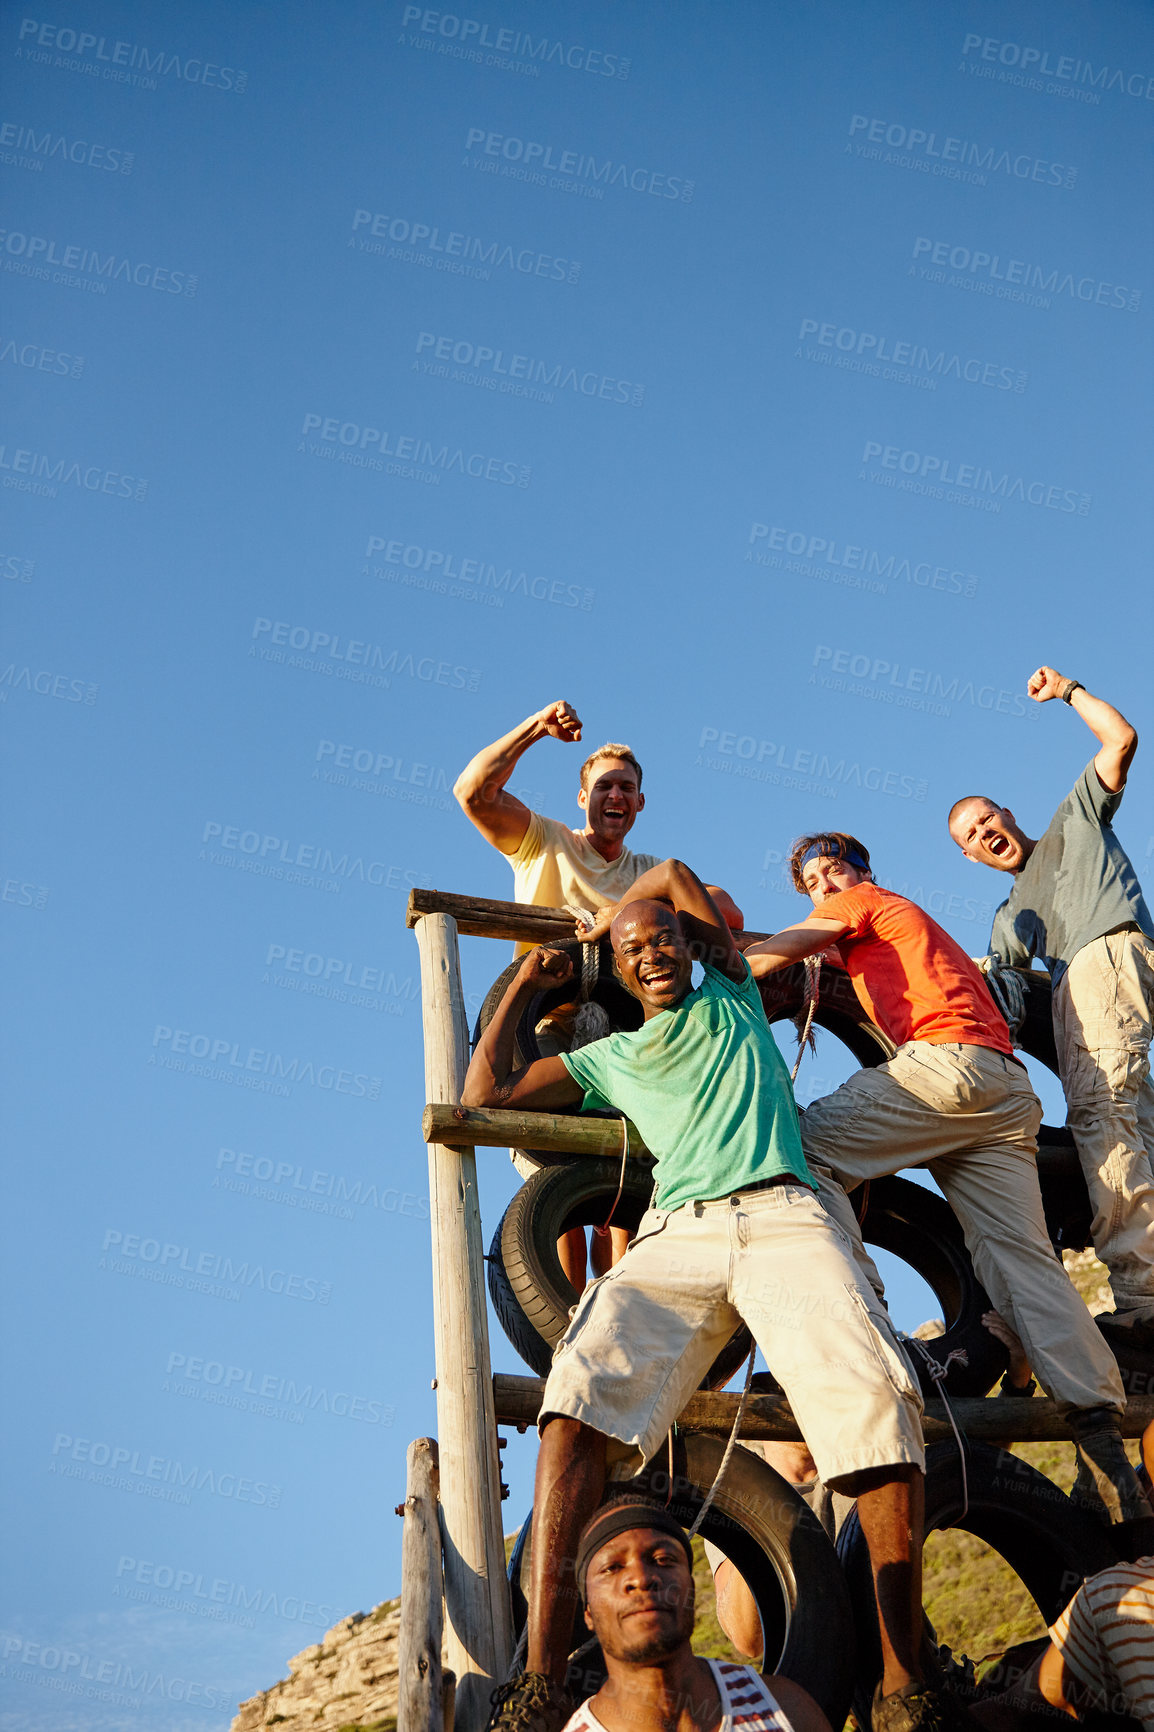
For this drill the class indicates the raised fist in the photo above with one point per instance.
(543, 968)
(1045, 684)
(561, 721)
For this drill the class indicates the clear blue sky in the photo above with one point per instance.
(802, 442)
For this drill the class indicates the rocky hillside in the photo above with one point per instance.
(348, 1682)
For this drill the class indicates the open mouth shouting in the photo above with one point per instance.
(659, 979)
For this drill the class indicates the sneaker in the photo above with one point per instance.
(1107, 1485)
(530, 1703)
(918, 1708)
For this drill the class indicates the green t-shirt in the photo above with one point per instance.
(707, 1087)
(1077, 884)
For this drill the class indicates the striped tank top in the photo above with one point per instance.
(746, 1703)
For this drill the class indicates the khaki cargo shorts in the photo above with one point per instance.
(644, 1334)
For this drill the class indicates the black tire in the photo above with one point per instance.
(1036, 1035)
(1016, 1510)
(622, 1009)
(781, 1549)
(1064, 1194)
(530, 1292)
(839, 1010)
(920, 1227)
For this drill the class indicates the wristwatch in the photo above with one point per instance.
(1072, 686)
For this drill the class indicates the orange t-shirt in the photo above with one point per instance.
(914, 981)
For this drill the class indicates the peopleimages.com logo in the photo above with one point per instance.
(1036, 62)
(1016, 279)
(538, 157)
(36, 252)
(219, 1051)
(928, 472)
(156, 1471)
(466, 37)
(954, 158)
(101, 56)
(422, 243)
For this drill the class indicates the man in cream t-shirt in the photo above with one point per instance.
(556, 867)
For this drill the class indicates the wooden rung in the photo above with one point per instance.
(479, 917)
(558, 1133)
(1000, 1419)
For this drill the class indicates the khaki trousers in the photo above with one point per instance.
(1102, 1027)
(968, 1113)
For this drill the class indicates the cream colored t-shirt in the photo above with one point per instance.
(555, 865)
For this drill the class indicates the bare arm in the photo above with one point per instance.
(799, 1705)
(480, 789)
(1054, 1681)
(794, 944)
(701, 920)
(490, 1080)
(1118, 739)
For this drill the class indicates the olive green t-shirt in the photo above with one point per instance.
(707, 1087)
(1077, 884)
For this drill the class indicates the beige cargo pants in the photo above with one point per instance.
(1102, 1026)
(969, 1114)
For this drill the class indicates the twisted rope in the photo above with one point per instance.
(730, 1446)
(805, 1027)
(590, 953)
(938, 1373)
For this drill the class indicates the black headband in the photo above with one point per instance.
(619, 1518)
(837, 852)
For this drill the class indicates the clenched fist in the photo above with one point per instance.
(1045, 684)
(561, 721)
(543, 968)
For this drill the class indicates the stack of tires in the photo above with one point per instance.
(813, 1625)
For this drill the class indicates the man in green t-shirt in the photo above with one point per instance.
(736, 1234)
(1077, 905)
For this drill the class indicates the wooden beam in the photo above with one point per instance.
(558, 1133)
(479, 917)
(420, 1691)
(476, 1593)
(999, 1420)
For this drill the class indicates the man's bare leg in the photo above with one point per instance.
(571, 1251)
(891, 1509)
(607, 1247)
(569, 1485)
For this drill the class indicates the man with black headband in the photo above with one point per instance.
(635, 1575)
(736, 1233)
(954, 1099)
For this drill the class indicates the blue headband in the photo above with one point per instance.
(849, 855)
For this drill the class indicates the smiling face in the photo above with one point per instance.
(826, 874)
(639, 1596)
(988, 834)
(611, 803)
(652, 956)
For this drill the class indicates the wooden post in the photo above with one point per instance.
(476, 1594)
(420, 1695)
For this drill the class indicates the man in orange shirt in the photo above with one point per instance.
(954, 1099)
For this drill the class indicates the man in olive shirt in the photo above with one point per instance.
(1077, 905)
